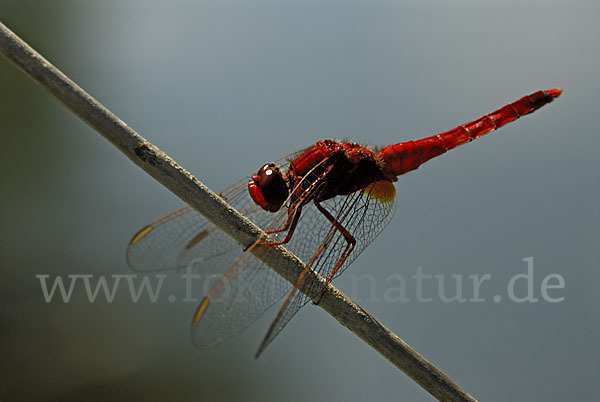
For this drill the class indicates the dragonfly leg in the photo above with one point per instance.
(290, 226)
(295, 209)
(287, 223)
(350, 240)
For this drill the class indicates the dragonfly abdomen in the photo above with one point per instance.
(406, 156)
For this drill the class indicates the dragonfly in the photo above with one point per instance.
(325, 204)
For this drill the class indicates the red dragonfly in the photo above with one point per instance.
(325, 204)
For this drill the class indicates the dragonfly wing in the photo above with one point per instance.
(239, 296)
(185, 236)
(248, 287)
(159, 245)
(363, 213)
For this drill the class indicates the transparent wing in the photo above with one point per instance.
(185, 238)
(239, 297)
(364, 214)
(249, 286)
(185, 235)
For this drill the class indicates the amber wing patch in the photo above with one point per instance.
(201, 310)
(196, 239)
(383, 191)
(139, 235)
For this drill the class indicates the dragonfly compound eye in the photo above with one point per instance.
(268, 188)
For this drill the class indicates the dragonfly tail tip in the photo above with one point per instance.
(554, 93)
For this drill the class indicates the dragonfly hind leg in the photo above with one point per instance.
(350, 243)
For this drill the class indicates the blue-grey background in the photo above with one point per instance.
(224, 86)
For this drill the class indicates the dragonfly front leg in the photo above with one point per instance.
(350, 243)
(290, 226)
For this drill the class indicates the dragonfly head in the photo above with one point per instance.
(268, 188)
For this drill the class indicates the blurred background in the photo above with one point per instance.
(225, 86)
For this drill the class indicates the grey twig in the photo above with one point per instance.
(193, 192)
